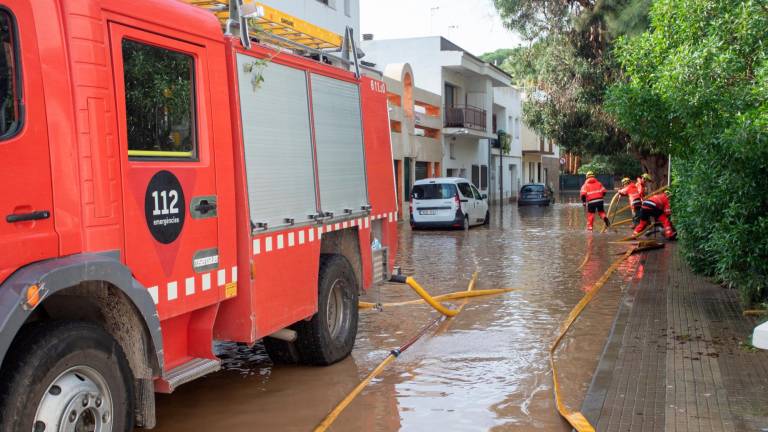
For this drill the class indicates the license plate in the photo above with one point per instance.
(427, 212)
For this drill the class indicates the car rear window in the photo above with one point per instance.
(533, 189)
(434, 191)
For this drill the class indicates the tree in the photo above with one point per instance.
(569, 64)
(697, 83)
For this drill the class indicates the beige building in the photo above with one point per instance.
(541, 159)
(416, 123)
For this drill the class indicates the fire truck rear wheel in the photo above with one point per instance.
(330, 335)
(66, 376)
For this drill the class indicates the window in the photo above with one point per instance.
(517, 127)
(476, 193)
(532, 189)
(159, 101)
(10, 79)
(347, 8)
(476, 174)
(452, 150)
(483, 177)
(450, 95)
(422, 170)
(465, 189)
(434, 191)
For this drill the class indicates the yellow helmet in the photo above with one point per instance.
(625, 181)
(647, 177)
(590, 174)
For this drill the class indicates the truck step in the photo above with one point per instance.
(185, 373)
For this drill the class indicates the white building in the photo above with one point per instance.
(332, 15)
(466, 85)
(507, 167)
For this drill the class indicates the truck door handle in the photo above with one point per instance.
(25, 217)
(205, 206)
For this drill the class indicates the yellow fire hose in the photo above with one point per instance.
(636, 235)
(610, 206)
(576, 418)
(411, 282)
(628, 206)
(338, 409)
(587, 255)
(450, 296)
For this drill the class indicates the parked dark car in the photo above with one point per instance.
(536, 194)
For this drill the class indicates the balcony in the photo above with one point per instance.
(465, 116)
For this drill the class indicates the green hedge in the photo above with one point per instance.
(720, 204)
(696, 83)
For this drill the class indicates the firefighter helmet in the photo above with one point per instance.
(625, 181)
(590, 174)
(647, 177)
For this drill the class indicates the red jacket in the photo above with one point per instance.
(631, 191)
(640, 184)
(592, 190)
(659, 201)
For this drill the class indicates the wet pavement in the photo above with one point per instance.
(678, 358)
(484, 370)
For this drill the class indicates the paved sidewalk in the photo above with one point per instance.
(675, 361)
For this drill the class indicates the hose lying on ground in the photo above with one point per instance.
(575, 418)
(411, 282)
(337, 410)
(331, 417)
(450, 296)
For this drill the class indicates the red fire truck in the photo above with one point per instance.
(167, 184)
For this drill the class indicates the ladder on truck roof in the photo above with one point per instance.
(251, 19)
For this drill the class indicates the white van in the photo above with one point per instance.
(447, 202)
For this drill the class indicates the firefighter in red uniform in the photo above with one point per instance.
(657, 207)
(592, 193)
(642, 184)
(635, 198)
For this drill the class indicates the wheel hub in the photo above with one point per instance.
(335, 308)
(77, 401)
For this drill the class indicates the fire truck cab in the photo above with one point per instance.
(167, 184)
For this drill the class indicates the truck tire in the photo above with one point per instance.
(282, 352)
(70, 372)
(329, 335)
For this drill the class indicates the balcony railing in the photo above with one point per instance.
(465, 116)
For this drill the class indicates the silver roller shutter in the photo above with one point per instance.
(339, 141)
(278, 143)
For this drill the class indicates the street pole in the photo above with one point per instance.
(501, 174)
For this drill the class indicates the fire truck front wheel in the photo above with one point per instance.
(330, 335)
(66, 376)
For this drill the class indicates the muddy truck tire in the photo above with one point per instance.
(66, 375)
(330, 335)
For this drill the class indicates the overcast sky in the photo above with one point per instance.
(471, 24)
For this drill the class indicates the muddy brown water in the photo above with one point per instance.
(485, 370)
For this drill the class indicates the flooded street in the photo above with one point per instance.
(485, 370)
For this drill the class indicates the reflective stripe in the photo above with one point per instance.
(649, 203)
(595, 201)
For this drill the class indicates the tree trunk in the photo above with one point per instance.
(657, 167)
